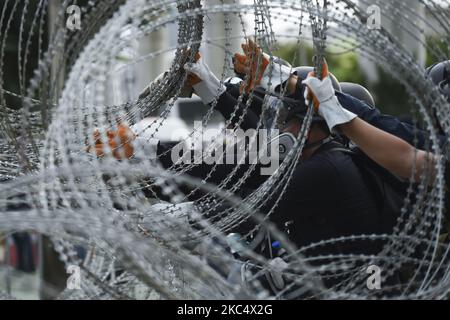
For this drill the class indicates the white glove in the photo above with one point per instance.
(330, 108)
(276, 73)
(210, 88)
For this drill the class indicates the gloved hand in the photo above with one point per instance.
(259, 68)
(120, 143)
(124, 144)
(325, 102)
(205, 83)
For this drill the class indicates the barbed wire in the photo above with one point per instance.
(165, 246)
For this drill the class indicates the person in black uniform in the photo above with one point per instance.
(324, 172)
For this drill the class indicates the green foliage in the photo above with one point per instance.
(290, 53)
(345, 66)
(437, 43)
(389, 95)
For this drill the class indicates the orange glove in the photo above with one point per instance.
(120, 142)
(310, 95)
(248, 64)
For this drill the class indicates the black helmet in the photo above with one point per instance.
(440, 75)
(358, 91)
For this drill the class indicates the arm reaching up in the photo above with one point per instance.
(387, 150)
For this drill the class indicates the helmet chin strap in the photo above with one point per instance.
(319, 143)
